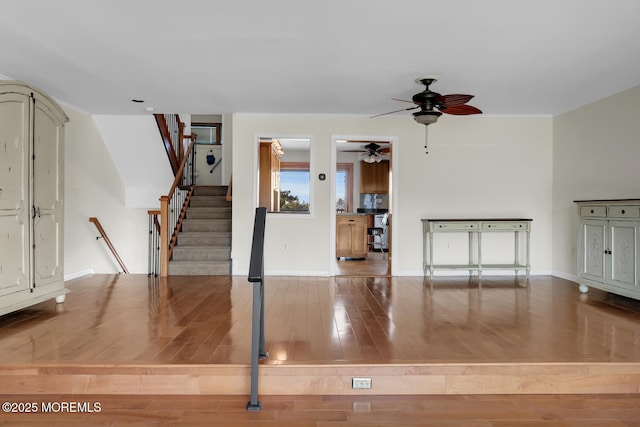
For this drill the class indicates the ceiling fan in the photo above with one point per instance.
(432, 104)
(371, 152)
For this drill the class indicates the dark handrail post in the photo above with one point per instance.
(256, 276)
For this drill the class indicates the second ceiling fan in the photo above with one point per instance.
(371, 152)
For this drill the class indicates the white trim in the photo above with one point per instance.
(256, 174)
(395, 148)
(78, 274)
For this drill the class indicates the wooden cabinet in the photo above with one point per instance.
(374, 177)
(608, 258)
(269, 177)
(31, 197)
(351, 236)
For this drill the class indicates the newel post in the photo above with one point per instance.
(164, 236)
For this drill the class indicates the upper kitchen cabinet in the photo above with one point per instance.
(374, 177)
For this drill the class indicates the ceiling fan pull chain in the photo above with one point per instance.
(426, 140)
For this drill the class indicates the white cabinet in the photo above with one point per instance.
(31, 197)
(608, 238)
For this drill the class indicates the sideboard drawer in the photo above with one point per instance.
(624, 212)
(599, 211)
(507, 226)
(455, 226)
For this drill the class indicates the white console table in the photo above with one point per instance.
(476, 227)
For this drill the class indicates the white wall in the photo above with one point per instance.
(135, 147)
(94, 188)
(477, 167)
(595, 156)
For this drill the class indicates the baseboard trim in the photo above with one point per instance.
(79, 274)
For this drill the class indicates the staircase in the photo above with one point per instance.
(204, 242)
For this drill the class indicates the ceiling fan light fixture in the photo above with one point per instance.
(427, 117)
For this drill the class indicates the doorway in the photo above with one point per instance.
(363, 203)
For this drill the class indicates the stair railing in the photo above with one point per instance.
(171, 128)
(104, 236)
(154, 243)
(173, 206)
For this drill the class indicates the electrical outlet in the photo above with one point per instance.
(361, 383)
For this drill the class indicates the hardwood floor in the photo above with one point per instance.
(330, 411)
(206, 319)
(455, 336)
(374, 265)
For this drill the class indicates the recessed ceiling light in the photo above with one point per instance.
(148, 109)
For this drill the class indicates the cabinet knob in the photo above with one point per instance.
(622, 211)
(591, 210)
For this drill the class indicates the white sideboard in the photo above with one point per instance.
(608, 238)
(476, 228)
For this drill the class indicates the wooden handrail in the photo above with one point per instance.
(103, 234)
(178, 177)
(166, 140)
(229, 191)
(165, 247)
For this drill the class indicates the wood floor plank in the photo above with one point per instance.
(331, 411)
(354, 319)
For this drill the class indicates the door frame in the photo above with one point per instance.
(393, 143)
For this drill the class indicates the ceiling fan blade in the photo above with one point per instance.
(396, 111)
(353, 151)
(384, 150)
(454, 99)
(461, 110)
(403, 100)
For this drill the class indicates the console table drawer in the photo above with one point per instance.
(507, 226)
(599, 211)
(624, 212)
(454, 226)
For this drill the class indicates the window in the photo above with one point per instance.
(294, 187)
(207, 133)
(284, 175)
(344, 187)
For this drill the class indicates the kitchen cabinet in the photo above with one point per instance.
(269, 177)
(374, 177)
(351, 236)
(608, 258)
(31, 197)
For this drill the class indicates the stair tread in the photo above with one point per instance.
(200, 247)
(199, 262)
(206, 233)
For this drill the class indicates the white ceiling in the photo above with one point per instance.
(329, 56)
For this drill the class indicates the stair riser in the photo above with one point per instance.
(206, 201)
(187, 239)
(203, 225)
(216, 190)
(208, 213)
(204, 254)
(205, 268)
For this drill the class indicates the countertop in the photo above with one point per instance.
(372, 211)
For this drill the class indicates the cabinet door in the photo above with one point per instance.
(374, 177)
(624, 253)
(14, 190)
(593, 239)
(359, 245)
(343, 239)
(48, 189)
